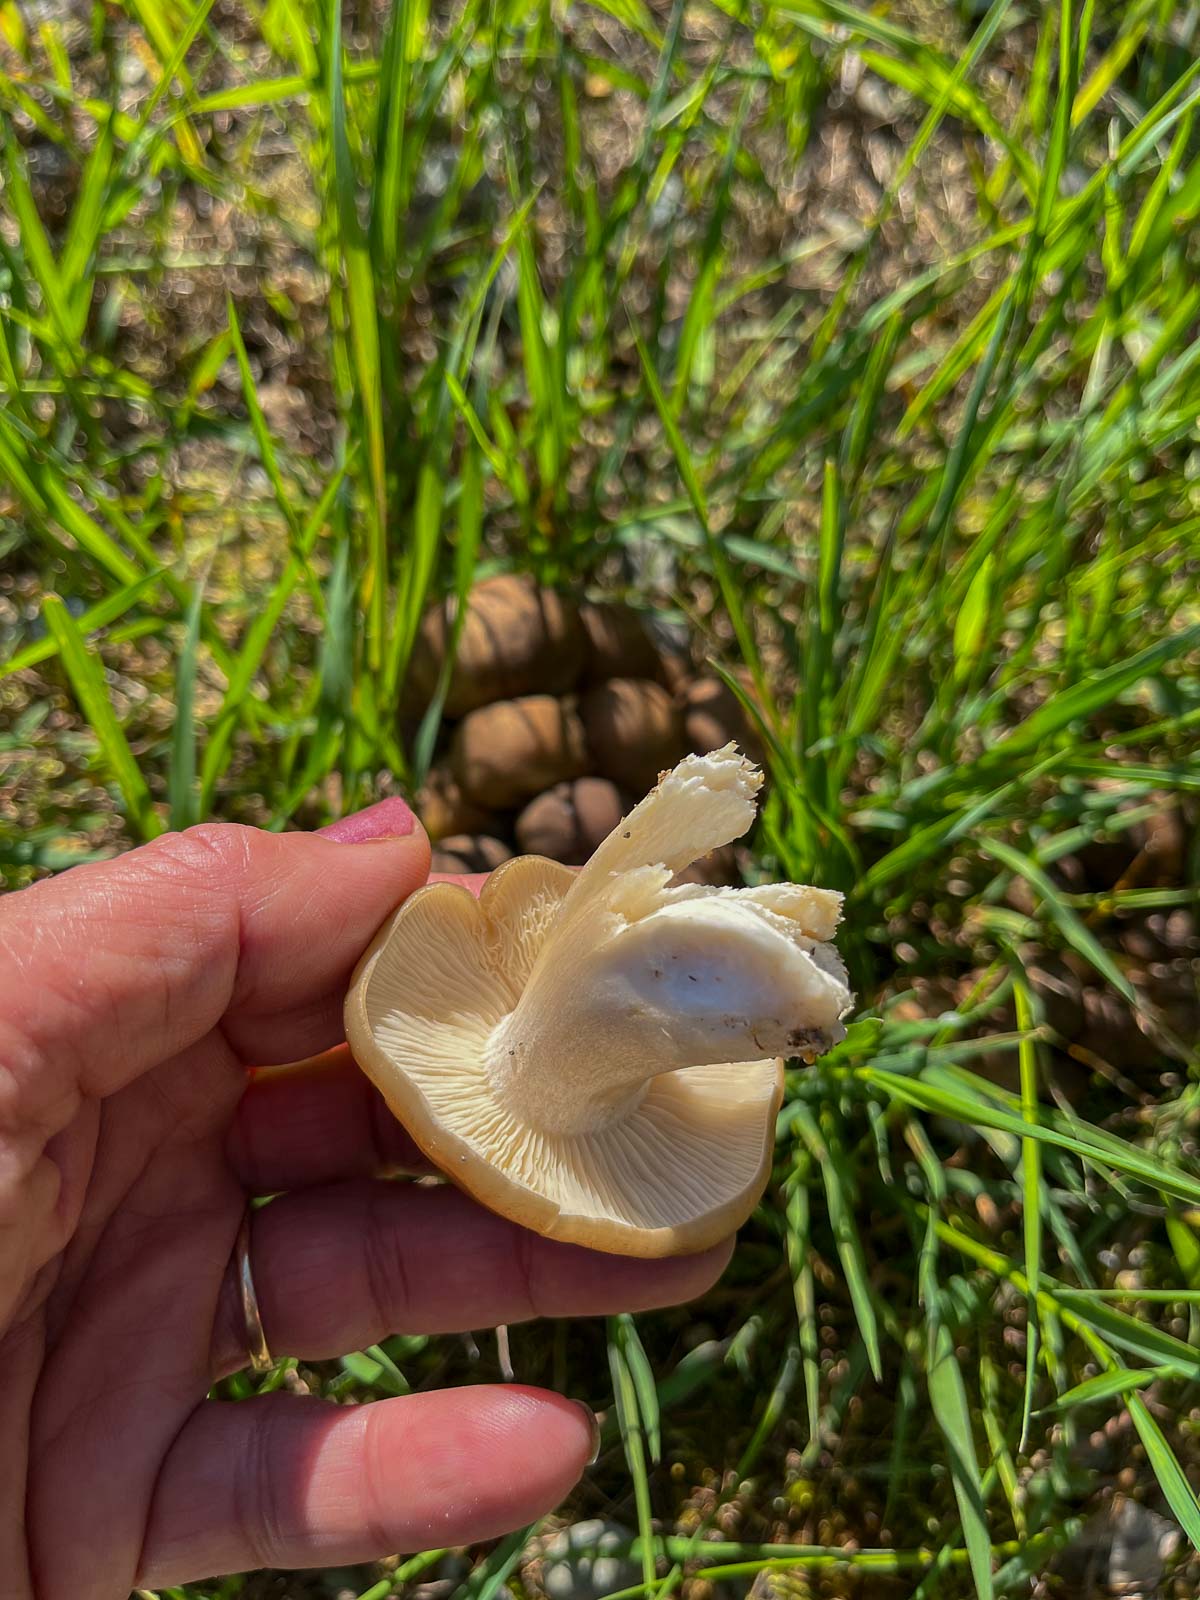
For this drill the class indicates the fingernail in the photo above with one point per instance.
(593, 1422)
(386, 819)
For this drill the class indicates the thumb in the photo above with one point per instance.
(109, 968)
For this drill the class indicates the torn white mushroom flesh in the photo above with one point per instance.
(652, 979)
(596, 1053)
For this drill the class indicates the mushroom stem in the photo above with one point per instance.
(699, 981)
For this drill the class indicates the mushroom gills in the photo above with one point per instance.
(595, 1054)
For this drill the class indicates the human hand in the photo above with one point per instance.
(133, 996)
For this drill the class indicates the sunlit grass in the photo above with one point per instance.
(941, 504)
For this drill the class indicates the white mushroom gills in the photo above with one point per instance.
(637, 978)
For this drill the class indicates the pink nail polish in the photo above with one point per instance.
(386, 819)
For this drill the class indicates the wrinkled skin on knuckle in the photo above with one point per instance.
(209, 855)
(30, 1236)
(95, 967)
(115, 954)
(383, 1265)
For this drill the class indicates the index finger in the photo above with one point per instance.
(316, 1121)
(321, 1119)
(111, 968)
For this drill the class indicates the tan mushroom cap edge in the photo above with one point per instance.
(672, 1167)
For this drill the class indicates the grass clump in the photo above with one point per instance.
(865, 340)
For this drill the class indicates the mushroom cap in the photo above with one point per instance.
(713, 715)
(619, 642)
(678, 1164)
(567, 822)
(681, 1173)
(516, 638)
(468, 852)
(504, 753)
(445, 810)
(633, 728)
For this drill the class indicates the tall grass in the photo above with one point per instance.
(933, 486)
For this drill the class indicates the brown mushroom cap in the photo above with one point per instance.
(503, 754)
(718, 867)
(633, 730)
(570, 820)
(464, 852)
(674, 673)
(594, 1054)
(619, 643)
(444, 809)
(516, 639)
(713, 715)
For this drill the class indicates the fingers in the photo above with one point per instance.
(111, 967)
(316, 1122)
(286, 1482)
(342, 1266)
(320, 1120)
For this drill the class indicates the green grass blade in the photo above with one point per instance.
(388, 208)
(773, 1411)
(1092, 694)
(106, 611)
(826, 1150)
(1077, 934)
(49, 502)
(1084, 1141)
(695, 492)
(799, 1235)
(924, 844)
(633, 1441)
(644, 1384)
(948, 1399)
(86, 677)
(36, 247)
(1031, 1184)
(1176, 1489)
(181, 774)
(258, 422)
(1107, 1386)
(364, 341)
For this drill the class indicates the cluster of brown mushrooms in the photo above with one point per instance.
(559, 714)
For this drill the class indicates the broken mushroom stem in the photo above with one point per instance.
(694, 985)
(658, 978)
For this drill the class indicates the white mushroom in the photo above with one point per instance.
(596, 1054)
